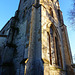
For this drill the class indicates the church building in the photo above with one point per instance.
(35, 41)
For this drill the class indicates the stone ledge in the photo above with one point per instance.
(24, 61)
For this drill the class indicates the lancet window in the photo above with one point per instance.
(54, 49)
(58, 53)
(49, 48)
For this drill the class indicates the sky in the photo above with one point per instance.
(8, 8)
(65, 6)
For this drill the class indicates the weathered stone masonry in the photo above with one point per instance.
(35, 41)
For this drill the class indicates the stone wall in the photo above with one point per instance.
(31, 40)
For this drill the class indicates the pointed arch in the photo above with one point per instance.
(49, 48)
(58, 53)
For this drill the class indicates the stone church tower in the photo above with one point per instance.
(35, 41)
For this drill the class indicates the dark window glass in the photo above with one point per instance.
(57, 51)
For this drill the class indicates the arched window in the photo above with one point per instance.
(49, 48)
(58, 53)
(52, 46)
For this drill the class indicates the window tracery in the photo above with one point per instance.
(54, 48)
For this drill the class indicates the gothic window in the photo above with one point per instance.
(58, 53)
(52, 45)
(49, 48)
(59, 17)
(51, 12)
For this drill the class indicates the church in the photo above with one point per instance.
(35, 41)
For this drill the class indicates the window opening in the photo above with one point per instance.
(57, 52)
(49, 48)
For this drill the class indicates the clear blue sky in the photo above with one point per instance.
(65, 6)
(8, 8)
